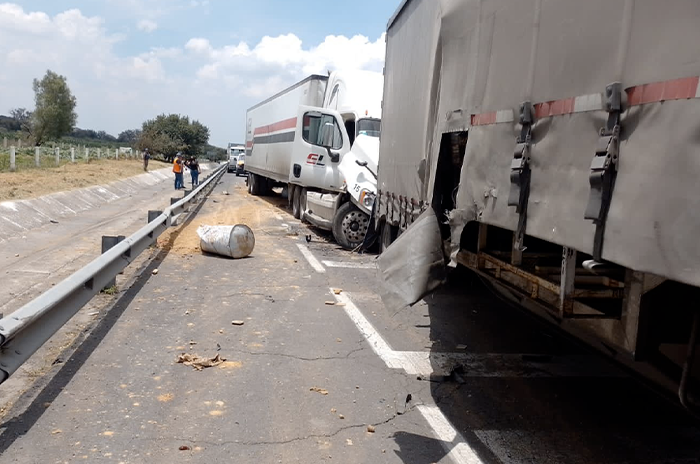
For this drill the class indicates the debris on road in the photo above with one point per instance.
(184, 448)
(237, 322)
(322, 391)
(337, 291)
(370, 429)
(461, 347)
(235, 241)
(340, 416)
(348, 442)
(199, 363)
(330, 303)
(224, 192)
(154, 272)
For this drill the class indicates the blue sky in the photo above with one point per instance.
(129, 60)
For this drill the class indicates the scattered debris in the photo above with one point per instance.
(184, 448)
(270, 299)
(192, 342)
(339, 340)
(53, 221)
(224, 192)
(237, 322)
(17, 255)
(218, 347)
(199, 363)
(221, 331)
(461, 347)
(337, 291)
(409, 397)
(57, 361)
(154, 272)
(333, 410)
(322, 391)
(187, 312)
(330, 303)
(308, 239)
(348, 442)
(94, 313)
(56, 432)
(340, 416)
(371, 429)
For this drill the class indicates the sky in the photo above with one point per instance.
(127, 61)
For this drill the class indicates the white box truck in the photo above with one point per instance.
(320, 140)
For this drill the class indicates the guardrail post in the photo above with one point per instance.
(13, 155)
(99, 153)
(110, 241)
(58, 156)
(37, 156)
(72, 154)
(116, 153)
(153, 215)
(87, 154)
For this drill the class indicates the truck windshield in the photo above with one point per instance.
(371, 127)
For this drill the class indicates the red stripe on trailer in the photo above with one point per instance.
(554, 108)
(483, 119)
(249, 144)
(678, 89)
(278, 126)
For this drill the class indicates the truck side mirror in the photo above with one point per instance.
(327, 133)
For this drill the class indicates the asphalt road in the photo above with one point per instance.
(322, 371)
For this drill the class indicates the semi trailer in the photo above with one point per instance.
(552, 148)
(320, 140)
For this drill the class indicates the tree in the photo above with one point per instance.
(130, 136)
(23, 118)
(168, 134)
(54, 115)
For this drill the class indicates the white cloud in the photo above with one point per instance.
(147, 25)
(214, 84)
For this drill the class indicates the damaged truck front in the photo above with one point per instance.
(552, 148)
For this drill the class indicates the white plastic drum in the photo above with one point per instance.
(233, 241)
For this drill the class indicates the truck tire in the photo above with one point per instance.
(296, 207)
(290, 194)
(387, 236)
(350, 226)
(253, 184)
(302, 205)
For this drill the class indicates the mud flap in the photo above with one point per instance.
(414, 265)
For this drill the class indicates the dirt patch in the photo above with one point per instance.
(36, 182)
(227, 210)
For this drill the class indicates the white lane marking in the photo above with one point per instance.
(318, 267)
(457, 448)
(376, 341)
(349, 265)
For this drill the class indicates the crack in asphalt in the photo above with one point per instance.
(302, 438)
(301, 358)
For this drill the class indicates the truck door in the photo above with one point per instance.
(320, 145)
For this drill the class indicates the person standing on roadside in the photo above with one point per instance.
(177, 169)
(146, 157)
(193, 166)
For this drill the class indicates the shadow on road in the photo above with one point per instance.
(546, 410)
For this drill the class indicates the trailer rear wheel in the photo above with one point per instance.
(296, 207)
(253, 184)
(387, 237)
(350, 226)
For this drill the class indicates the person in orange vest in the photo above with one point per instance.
(177, 169)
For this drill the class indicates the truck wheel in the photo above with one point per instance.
(290, 194)
(350, 226)
(296, 207)
(253, 184)
(302, 205)
(387, 237)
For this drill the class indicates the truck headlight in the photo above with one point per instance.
(367, 198)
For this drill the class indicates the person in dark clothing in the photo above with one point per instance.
(146, 157)
(193, 166)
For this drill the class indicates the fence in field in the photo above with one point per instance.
(14, 156)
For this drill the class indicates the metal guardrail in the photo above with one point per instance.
(24, 331)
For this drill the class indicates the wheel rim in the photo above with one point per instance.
(354, 226)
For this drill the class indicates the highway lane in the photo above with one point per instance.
(321, 370)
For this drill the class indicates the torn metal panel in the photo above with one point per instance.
(451, 61)
(414, 264)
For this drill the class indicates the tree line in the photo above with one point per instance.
(54, 117)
